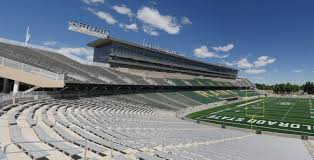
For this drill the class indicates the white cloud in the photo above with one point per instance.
(255, 68)
(76, 51)
(10, 41)
(132, 27)
(203, 52)
(230, 63)
(123, 9)
(127, 27)
(104, 16)
(150, 30)
(263, 61)
(153, 18)
(81, 54)
(257, 78)
(185, 20)
(254, 71)
(50, 43)
(297, 70)
(244, 63)
(90, 2)
(226, 48)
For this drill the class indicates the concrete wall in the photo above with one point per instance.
(30, 78)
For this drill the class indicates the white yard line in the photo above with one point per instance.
(249, 103)
(289, 110)
(311, 109)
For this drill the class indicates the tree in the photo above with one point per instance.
(286, 88)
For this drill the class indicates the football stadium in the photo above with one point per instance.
(138, 101)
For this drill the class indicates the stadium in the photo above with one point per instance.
(142, 102)
(132, 106)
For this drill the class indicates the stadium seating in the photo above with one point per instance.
(181, 98)
(137, 79)
(197, 97)
(164, 99)
(62, 146)
(160, 81)
(39, 59)
(145, 125)
(246, 93)
(133, 129)
(76, 72)
(179, 82)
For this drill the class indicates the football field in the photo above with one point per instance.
(284, 115)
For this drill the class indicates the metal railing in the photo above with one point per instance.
(35, 95)
(30, 69)
(8, 97)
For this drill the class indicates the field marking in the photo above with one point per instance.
(255, 108)
(311, 109)
(233, 107)
(282, 118)
(272, 128)
(240, 105)
(208, 120)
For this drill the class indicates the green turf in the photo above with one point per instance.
(285, 115)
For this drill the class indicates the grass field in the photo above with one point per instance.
(284, 115)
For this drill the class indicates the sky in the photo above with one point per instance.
(268, 41)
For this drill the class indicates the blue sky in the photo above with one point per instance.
(269, 41)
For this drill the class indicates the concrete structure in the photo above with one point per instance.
(20, 72)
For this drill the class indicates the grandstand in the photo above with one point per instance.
(116, 109)
(119, 53)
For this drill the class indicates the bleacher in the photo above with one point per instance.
(160, 81)
(198, 97)
(122, 127)
(76, 72)
(181, 98)
(38, 59)
(164, 99)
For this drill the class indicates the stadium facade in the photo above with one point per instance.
(119, 53)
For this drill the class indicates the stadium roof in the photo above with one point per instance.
(102, 42)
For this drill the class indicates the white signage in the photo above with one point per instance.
(88, 29)
(149, 45)
(275, 124)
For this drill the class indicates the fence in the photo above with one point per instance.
(9, 97)
(30, 69)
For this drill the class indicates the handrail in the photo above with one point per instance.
(30, 69)
(7, 97)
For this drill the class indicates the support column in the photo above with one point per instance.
(5, 85)
(16, 87)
